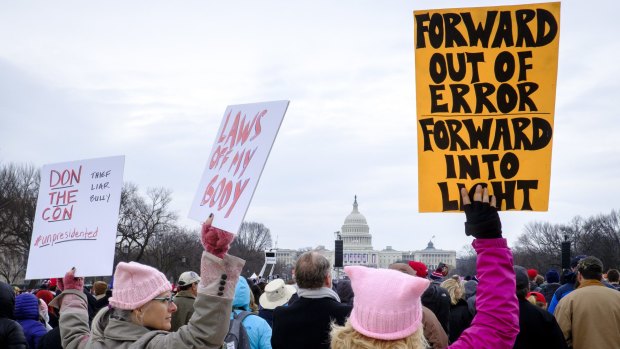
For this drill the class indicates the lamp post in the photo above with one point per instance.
(125, 251)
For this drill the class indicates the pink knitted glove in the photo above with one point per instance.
(70, 282)
(215, 241)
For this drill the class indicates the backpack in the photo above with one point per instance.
(237, 337)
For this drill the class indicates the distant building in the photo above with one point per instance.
(358, 249)
(432, 257)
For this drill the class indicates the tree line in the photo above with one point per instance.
(149, 232)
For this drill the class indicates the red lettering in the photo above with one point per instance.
(222, 137)
(238, 191)
(208, 191)
(246, 160)
(257, 127)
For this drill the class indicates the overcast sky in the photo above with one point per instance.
(151, 80)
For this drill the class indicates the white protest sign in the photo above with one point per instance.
(237, 159)
(76, 218)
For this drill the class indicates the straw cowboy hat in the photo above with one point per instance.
(276, 294)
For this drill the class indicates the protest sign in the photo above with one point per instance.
(485, 97)
(237, 159)
(76, 218)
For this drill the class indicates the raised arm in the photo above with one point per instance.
(496, 323)
(219, 273)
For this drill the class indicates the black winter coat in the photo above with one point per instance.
(548, 290)
(460, 319)
(11, 333)
(538, 329)
(437, 299)
(305, 324)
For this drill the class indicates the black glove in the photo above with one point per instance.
(482, 221)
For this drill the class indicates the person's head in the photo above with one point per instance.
(552, 276)
(440, 272)
(189, 281)
(276, 294)
(387, 310)
(145, 292)
(53, 284)
(575, 261)
(590, 268)
(26, 307)
(45, 296)
(7, 300)
(312, 271)
(455, 289)
(345, 291)
(539, 280)
(403, 268)
(420, 268)
(471, 286)
(99, 288)
(613, 276)
(531, 274)
(523, 282)
(243, 295)
(537, 299)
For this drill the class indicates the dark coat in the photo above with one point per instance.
(51, 340)
(460, 319)
(27, 314)
(538, 328)
(548, 290)
(305, 324)
(11, 333)
(266, 314)
(437, 299)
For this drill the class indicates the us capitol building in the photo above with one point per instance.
(358, 249)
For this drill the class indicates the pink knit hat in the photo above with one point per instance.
(135, 284)
(387, 303)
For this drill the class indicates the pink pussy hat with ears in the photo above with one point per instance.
(136, 284)
(387, 303)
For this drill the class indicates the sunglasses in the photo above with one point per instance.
(164, 299)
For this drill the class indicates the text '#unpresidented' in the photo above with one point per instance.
(71, 235)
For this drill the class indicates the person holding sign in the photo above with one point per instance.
(387, 311)
(141, 305)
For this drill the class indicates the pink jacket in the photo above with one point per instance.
(496, 323)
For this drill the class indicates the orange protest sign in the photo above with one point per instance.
(485, 96)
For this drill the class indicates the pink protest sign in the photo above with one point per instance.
(237, 159)
(76, 218)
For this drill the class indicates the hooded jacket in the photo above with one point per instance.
(11, 333)
(27, 314)
(259, 331)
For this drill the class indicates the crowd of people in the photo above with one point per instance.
(404, 306)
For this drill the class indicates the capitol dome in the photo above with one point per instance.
(355, 217)
(355, 231)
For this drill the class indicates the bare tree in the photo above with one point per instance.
(250, 243)
(466, 261)
(12, 265)
(142, 219)
(540, 245)
(19, 188)
(175, 251)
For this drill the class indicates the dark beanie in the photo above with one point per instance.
(552, 276)
(522, 279)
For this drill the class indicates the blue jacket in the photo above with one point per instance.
(27, 314)
(257, 328)
(559, 293)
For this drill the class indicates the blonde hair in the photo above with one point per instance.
(532, 299)
(455, 288)
(346, 337)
